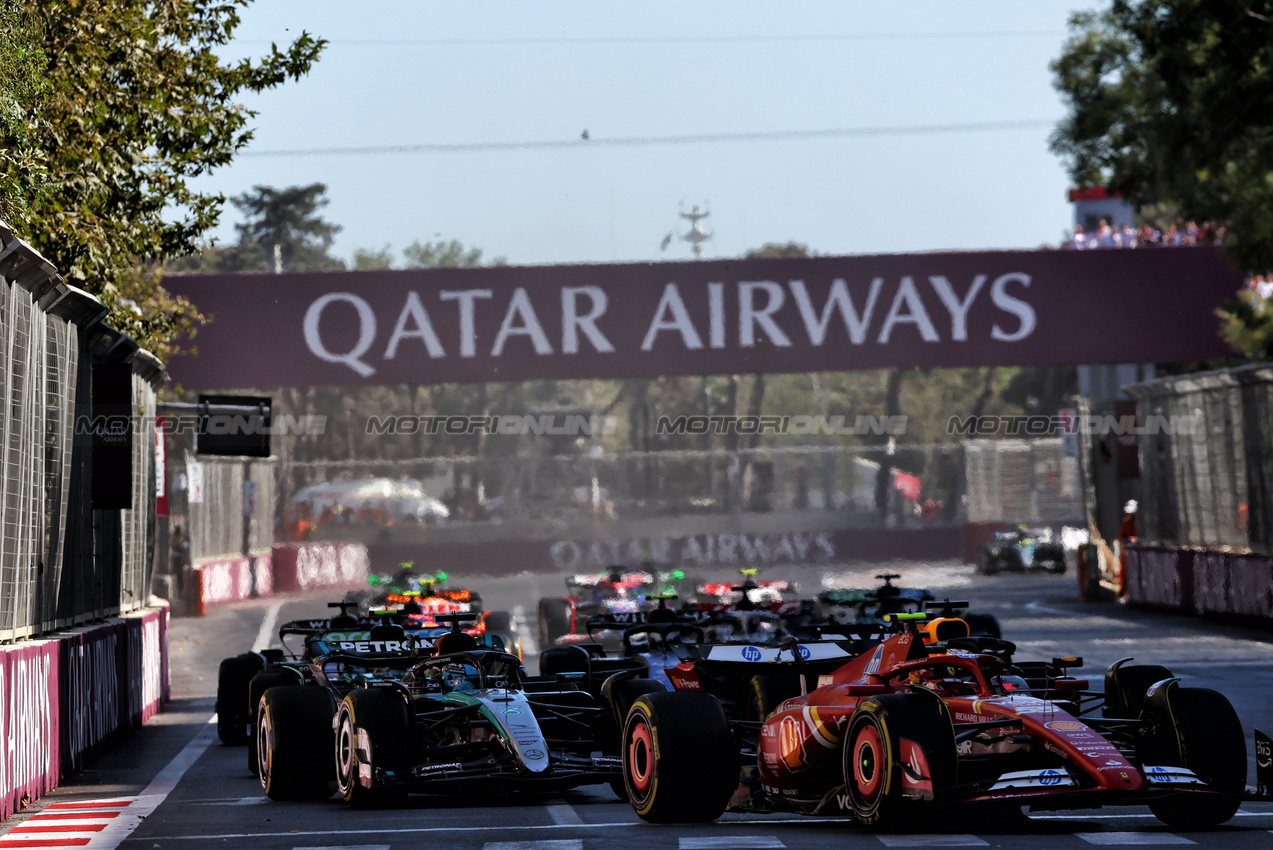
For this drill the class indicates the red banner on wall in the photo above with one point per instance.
(703, 318)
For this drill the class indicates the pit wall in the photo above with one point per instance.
(1202, 582)
(69, 698)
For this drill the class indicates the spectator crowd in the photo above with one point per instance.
(1106, 235)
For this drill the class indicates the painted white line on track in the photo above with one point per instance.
(741, 842)
(1126, 839)
(924, 840)
(1037, 607)
(266, 635)
(563, 814)
(1125, 817)
(158, 789)
(552, 844)
(426, 830)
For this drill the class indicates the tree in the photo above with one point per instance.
(778, 249)
(444, 255)
(1172, 100)
(372, 258)
(22, 90)
(137, 102)
(287, 218)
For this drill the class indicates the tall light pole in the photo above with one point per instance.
(696, 235)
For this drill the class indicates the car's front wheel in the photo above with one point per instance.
(373, 746)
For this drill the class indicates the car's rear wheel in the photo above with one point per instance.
(295, 741)
(554, 620)
(1199, 730)
(680, 763)
(888, 738)
(233, 710)
(269, 678)
(373, 745)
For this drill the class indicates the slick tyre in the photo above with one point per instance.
(680, 763)
(373, 739)
(261, 682)
(766, 693)
(233, 710)
(554, 620)
(887, 738)
(1208, 740)
(295, 742)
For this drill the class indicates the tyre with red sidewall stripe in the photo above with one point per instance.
(892, 737)
(680, 762)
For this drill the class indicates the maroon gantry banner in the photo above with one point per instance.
(991, 308)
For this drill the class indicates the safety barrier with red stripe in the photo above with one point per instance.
(67, 699)
(1202, 582)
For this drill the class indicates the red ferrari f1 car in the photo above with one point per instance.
(909, 726)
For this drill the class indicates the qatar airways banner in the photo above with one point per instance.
(711, 317)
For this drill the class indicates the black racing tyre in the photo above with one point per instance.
(554, 620)
(766, 693)
(295, 742)
(876, 754)
(621, 693)
(984, 565)
(271, 677)
(1203, 734)
(232, 697)
(373, 735)
(982, 624)
(499, 623)
(680, 762)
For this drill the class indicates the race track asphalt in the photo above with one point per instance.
(173, 786)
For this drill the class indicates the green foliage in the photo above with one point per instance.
(778, 249)
(290, 218)
(444, 255)
(1248, 325)
(137, 103)
(371, 258)
(22, 89)
(1172, 100)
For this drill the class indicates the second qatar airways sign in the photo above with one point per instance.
(720, 317)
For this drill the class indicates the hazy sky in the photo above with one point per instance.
(474, 73)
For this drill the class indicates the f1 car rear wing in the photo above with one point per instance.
(790, 656)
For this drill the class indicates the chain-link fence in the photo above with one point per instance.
(1206, 458)
(906, 486)
(216, 512)
(61, 561)
(1023, 481)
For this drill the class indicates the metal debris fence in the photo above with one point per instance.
(1008, 480)
(62, 562)
(1207, 468)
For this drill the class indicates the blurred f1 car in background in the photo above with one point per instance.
(911, 726)
(619, 590)
(868, 607)
(1021, 549)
